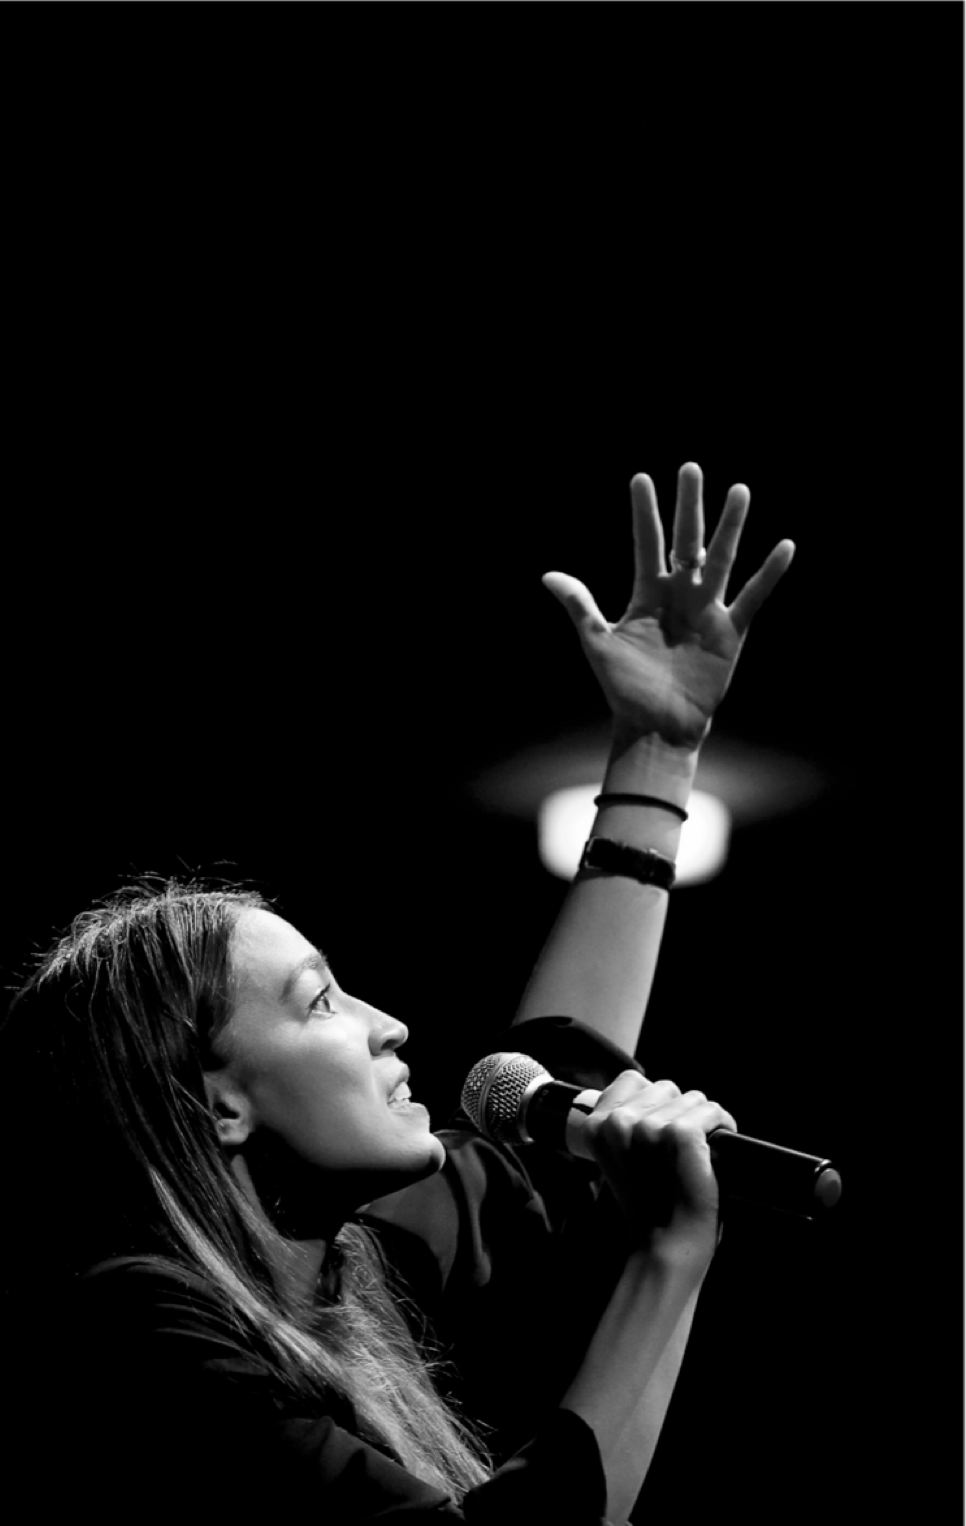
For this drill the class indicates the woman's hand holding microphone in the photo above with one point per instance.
(650, 1141)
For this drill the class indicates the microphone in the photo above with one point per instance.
(513, 1099)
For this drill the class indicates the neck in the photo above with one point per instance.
(304, 1238)
(297, 1268)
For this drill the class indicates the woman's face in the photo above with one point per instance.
(313, 1073)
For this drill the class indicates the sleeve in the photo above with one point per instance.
(172, 1411)
(509, 1255)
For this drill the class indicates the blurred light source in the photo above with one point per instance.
(564, 820)
(752, 782)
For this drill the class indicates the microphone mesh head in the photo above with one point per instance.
(493, 1094)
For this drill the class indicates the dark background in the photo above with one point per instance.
(273, 602)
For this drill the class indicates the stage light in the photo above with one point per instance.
(565, 817)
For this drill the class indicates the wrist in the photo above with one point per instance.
(672, 1260)
(646, 765)
(649, 765)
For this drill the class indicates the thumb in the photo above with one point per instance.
(577, 600)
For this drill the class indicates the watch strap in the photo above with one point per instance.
(643, 864)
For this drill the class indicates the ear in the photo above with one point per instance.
(231, 1108)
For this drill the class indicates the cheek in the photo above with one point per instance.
(320, 1109)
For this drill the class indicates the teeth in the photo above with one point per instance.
(401, 1094)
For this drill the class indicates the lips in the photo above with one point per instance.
(400, 1092)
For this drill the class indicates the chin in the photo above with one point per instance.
(426, 1161)
(438, 1151)
(413, 1170)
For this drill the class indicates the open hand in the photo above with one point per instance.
(666, 664)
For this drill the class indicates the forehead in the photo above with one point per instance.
(264, 949)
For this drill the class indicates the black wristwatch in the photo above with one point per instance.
(643, 864)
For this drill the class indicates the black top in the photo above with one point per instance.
(508, 1254)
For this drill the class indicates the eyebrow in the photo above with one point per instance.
(314, 961)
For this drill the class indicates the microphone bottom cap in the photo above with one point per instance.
(828, 1188)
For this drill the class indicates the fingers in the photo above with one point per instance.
(653, 1123)
(651, 1142)
(633, 1099)
(578, 601)
(682, 1111)
(687, 539)
(687, 544)
(723, 545)
(757, 588)
(649, 563)
(629, 1086)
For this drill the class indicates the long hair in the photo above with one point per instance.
(110, 1149)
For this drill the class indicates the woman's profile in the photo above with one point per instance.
(244, 1271)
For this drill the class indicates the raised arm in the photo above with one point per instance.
(664, 668)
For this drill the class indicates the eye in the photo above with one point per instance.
(323, 997)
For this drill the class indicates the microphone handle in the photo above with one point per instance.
(768, 1175)
(771, 1176)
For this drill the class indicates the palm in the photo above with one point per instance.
(666, 664)
(676, 679)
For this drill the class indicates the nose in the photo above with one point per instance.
(386, 1032)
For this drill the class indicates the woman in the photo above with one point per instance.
(241, 1252)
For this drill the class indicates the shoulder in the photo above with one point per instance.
(172, 1404)
(153, 1330)
(148, 1289)
(170, 1367)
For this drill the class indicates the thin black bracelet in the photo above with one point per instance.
(604, 856)
(640, 800)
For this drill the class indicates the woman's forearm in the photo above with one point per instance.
(598, 963)
(624, 1386)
